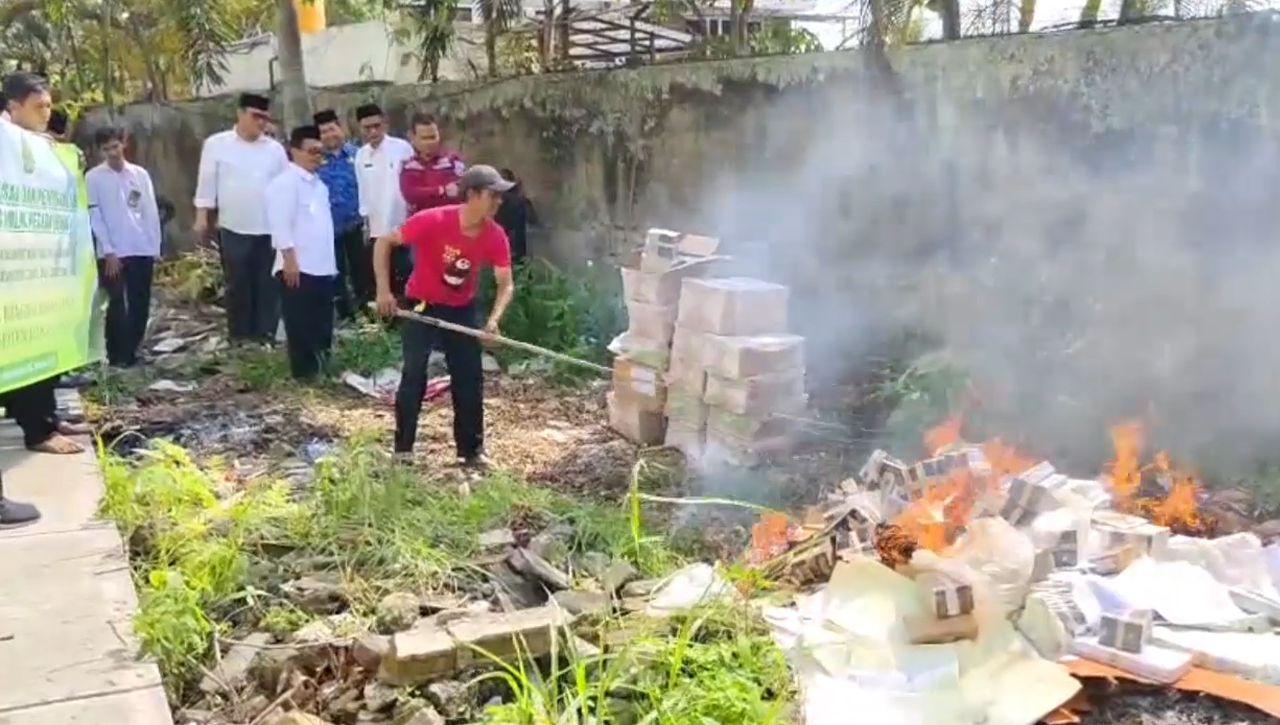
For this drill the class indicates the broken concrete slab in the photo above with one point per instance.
(419, 655)
(579, 603)
(507, 635)
(369, 649)
(529, 564)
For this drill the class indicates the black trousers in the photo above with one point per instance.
(252, 302)
(128, 308)
(308, 323)
(462, 354)
(34, 408)
(354, 286)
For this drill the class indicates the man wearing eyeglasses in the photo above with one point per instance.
(305, 258)
(378, 164)
(235, 167)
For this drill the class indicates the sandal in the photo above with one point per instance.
(70, 428)
(57, 444)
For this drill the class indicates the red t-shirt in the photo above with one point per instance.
(446, 262)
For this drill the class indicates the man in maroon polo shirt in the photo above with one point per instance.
(450, 244)
(428, 179)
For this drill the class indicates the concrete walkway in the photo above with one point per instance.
(66, 599)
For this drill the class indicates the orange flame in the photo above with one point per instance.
(946, 433)
(1179, 510)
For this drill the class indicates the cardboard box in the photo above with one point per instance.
(638, 384)
(690, 346)
(651, 322)
(636, 424)
(649, 353)
(652, 288)
(734, 306)
(760, 395)
(688, 376)
(686, 409)
(666, 251)
(746, 357)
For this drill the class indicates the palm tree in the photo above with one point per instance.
(498, 17)
(293, 73)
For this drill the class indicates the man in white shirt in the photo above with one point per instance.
(235, 168)
(378, 164)
(305, 262)
(126, 222)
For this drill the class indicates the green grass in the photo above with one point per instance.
(379, 524)
(208, 556)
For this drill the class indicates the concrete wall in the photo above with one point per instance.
(366, 52)
(683, 145)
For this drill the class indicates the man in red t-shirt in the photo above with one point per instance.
(450, 244)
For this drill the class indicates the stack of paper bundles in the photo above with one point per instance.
(634, 423)
(651, 282)
(733, 306)
(638, 402)
(754, 372)
(686, 380)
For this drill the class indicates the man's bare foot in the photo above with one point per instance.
(58, 445)
(68, 428)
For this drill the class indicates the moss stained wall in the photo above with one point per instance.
(606, 152)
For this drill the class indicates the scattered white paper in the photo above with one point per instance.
(688, 588)
(169, 386)
(1182, 593)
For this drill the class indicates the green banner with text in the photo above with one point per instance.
(50, 316)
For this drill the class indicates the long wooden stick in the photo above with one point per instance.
(527, 347)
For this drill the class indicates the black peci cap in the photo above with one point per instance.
(303, 133)
(367, 110)
(254, 101)
(325, 116)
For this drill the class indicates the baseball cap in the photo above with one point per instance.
(483, 177)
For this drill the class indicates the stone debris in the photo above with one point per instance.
(430, 651)
(232, 671)
(397, 612)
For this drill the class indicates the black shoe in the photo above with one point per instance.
(14, 514)
(476, 461)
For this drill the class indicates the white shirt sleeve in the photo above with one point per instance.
(282, 210)
(150, 211)
(97, 222)
(362, 181)
(207, 176)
